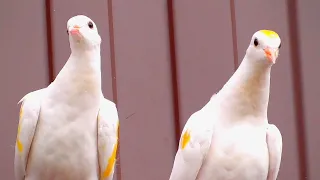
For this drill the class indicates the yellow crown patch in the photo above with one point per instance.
(270, 34)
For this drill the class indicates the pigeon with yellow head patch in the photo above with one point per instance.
(230, 138)
(68, 130)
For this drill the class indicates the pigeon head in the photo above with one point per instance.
(264, 47)
(83, 33)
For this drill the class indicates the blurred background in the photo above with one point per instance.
(161, 61)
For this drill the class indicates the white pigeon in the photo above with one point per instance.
(230, 137)
(68, 130)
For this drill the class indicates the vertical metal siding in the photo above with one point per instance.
(204, 52)
(23, 68)
(144, 88)
(297, 87)
(308, 38)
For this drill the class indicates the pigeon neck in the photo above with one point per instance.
(247, 91)
(88, 62)
(86, 58)
(82, 72)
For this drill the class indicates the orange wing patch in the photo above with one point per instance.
(112, 158)
(185, 139)
(19, 143)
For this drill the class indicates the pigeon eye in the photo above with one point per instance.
(255, 42)
(90, 24)
(279, 46)
(67, 32)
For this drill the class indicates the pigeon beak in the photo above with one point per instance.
(270, 55)
(75, 29)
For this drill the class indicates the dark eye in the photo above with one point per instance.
(279, 46)
(67, 32)
(255, 42)
(90, 24)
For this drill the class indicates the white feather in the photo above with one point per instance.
(64, 139)
(230, 138)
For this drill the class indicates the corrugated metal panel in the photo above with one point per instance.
(23, 67)
(144, 88)
(309, 55)
(204, 52)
